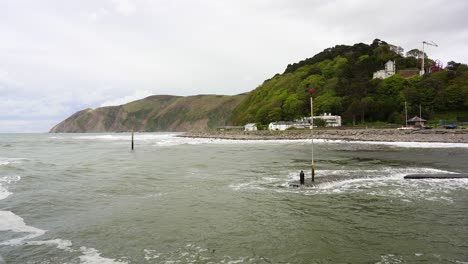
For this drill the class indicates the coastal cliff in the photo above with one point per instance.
(154, 113)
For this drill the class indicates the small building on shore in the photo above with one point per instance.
(416, 122)
(250, 127)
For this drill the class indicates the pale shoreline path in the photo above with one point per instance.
(382, 135)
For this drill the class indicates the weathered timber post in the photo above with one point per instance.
(132, 137)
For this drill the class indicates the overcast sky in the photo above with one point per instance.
(60, 56)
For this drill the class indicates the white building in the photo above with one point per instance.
(390, 69)
(330, 120)
(250, 127)
(281, 125)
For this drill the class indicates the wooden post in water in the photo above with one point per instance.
(312, 133)
(132, 137)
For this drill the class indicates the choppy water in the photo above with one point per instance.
(86, 198)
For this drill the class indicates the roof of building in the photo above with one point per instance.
(416, 119)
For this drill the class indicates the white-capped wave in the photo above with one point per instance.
(14, 223)
(388, 182)
(171, 139)
(89, 255)
(10, 222)
(7, 161)
(93, 256)
(58, 243)
(412, 144)
(4, 193)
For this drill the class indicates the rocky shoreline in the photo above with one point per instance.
(384, 135)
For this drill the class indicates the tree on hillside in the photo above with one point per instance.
(397, 49)
(415, 53)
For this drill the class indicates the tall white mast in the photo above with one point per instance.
(431, 43)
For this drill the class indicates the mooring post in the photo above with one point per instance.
(132, 137)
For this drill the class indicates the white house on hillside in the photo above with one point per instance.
(390, 69)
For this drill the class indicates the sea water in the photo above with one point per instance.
(87, 198)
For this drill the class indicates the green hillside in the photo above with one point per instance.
(155, 113)
(342, 80)
(340, 76)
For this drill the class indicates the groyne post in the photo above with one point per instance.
(132, 138)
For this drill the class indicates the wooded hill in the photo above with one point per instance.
(342, 80)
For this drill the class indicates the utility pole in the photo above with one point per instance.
(431, 43)
(406, 116)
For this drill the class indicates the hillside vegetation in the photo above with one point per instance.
(155, 113)
(341, 78)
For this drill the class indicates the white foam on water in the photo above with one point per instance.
(6, 161)
(386, 182)
(10, 179)
(90, 255)
(150, 254)
(59, 243)
(390, 259)
(11, 222)
(4, 193)
(173, 139)
(412, 144)
(14, 223)
(93, 256)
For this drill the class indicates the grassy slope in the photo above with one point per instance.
(155, 113)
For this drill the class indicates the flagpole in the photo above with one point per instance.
(312, 133)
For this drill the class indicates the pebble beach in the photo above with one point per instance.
(384, 135)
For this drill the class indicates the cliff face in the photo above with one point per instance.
(154, 113)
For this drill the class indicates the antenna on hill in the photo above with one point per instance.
(430, 43)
